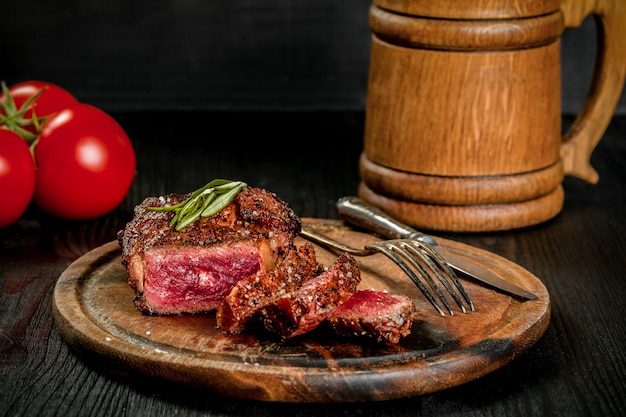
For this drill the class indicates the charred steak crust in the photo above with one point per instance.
(256, 291)
(256, 217)
(254, 211)
(305, 308)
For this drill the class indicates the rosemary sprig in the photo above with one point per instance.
(204, 202)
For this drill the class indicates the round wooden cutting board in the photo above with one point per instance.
(93, 309)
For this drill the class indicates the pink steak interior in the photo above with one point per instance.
(193, 279)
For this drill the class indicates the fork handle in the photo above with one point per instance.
(362, 214)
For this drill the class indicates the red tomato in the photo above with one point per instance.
(17, 177)
(85, 163)
(51, 100)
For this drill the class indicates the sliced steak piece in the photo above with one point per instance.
(302, 310)
(192, 270)
(256, 291)
(374, 315)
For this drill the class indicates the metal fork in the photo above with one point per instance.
(417, 260)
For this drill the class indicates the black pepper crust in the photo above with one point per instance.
(254, 212)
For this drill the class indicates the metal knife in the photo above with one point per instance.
(361, 214)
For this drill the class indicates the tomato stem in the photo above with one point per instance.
(13, 118)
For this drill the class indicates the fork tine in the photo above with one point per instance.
(387, 251)
(422, 258)
(438, 268)
(414, 249)
(448, 272)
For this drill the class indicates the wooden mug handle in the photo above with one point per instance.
(606, 86)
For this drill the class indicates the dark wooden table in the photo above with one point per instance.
(578, 368)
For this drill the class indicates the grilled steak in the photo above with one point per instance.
(304, 309)
(192, 270)
(258, 290)
(242, 263)
(374, 315)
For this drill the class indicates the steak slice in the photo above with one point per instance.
(256, 291)
(304, 309)
(192, 270)
(374, 315)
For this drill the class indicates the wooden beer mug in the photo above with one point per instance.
(463, 117)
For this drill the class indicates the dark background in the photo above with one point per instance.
(242, 55)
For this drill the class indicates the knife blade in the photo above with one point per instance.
(364, 215)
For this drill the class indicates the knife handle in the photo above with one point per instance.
(364, 215)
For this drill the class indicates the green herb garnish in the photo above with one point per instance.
(204, 202)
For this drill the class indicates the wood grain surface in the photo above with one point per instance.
(576, 369)
(94, 311)
(468, 98)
